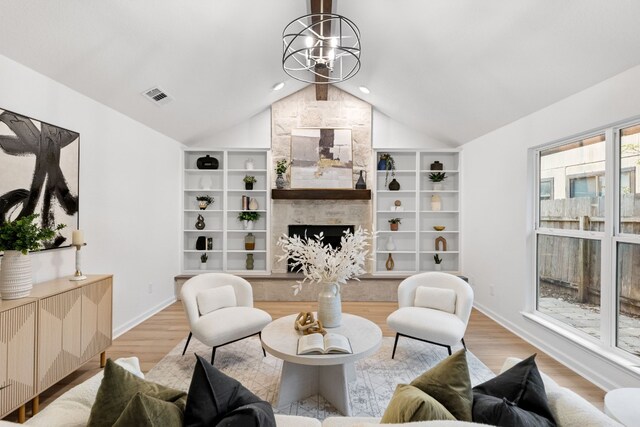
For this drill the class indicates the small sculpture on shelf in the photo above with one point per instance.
(200, 225)
(203, 261)
(204, 201)
(201, 243)
(393, 223)
(441, 241)
(249, 180)
(248, 164)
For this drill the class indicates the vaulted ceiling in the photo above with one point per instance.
(451, 69)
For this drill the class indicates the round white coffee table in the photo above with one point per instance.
(622, 405)
(325, 374)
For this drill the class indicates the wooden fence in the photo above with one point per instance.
(572, 264)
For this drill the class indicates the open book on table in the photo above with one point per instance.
(330, 343)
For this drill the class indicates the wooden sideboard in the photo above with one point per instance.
(49, 334)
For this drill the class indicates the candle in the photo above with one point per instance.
(77, 238)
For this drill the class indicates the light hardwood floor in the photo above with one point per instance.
(490, 342)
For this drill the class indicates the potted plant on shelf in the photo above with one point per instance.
(387, 163)
(437, 179)
(204, 201)
(249, 181)
(281, 168)
(393, 223)
(203, 261)
(248, 218)
(17, 239)
(438, 261)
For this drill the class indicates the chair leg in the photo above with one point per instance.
(213, 354)
(264, 353)
(395, 344)
(463, 344)
(187, 344)
(449, 349)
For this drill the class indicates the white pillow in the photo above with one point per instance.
(216, 298)
(436, 298)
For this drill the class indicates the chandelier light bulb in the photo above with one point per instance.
(309, 41)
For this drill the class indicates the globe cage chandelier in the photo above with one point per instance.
(311, 56)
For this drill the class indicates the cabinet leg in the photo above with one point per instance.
(22, 414)
(35, 405)
(103, 359)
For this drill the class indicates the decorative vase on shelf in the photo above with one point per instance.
(248, 164)
(437, 186)
(200, 225)
(391, 246)
(15, 275)
(203, 266)
(390, 263)
(280, 182)
(248, 185)
(438, 267)
(436, 166)
(249, 242)
(248, 225)
(207, 162)
(330, 305)
(203, 204)
(394, 185)
(436, 203)
(253, 204)
(249, 263)
(361, 184)
(382, 165)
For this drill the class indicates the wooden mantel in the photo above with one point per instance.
(320, 194)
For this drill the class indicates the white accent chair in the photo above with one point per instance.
(221, 326)
(432, 325)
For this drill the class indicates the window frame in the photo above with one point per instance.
(606, 346)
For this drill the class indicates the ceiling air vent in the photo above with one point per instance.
(157, 96)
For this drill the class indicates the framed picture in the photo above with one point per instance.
(39, 165)
(321, 158)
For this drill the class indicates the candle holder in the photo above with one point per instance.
(78, 274)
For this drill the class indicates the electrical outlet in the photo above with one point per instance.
(492, 290)
(150, 289)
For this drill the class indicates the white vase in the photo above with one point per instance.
(253, 204)
(248, 164)
(436, 203)
(437, 186)
(15, 275)
(248, 225)
(438, 267)
(330, 305)
(203, 266)
(391, 246)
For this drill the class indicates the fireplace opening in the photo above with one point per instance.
(332, 235)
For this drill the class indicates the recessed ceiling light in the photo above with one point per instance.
(364, 89)
(278, 86)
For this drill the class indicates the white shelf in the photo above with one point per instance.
(417, 232)
(226, 186)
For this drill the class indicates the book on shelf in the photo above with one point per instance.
(329, 343)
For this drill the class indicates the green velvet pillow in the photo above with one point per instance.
(118, 387)
(450, 384)
(412, 404)
(147, 411)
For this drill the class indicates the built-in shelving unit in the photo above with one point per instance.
(415, 241)
(227, 187)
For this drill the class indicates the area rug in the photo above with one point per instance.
(376, 376)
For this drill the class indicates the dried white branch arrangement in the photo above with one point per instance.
(321, 263)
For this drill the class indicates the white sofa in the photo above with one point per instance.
(72, 409)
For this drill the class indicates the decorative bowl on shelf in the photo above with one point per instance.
(439, 227)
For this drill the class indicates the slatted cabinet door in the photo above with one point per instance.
(17, 355)
(96, 318)
(59, 346)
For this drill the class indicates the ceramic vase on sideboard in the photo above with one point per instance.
(330, 305)
(15, 275)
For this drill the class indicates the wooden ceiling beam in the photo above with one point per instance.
(321, 6)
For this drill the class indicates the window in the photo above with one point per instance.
(587, 242)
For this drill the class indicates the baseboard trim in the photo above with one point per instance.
(142, 317)
(571, 363)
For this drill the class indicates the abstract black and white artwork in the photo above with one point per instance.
(39, 174)
(321, 158)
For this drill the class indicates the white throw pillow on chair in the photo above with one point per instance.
(216, 298)
(436, 298)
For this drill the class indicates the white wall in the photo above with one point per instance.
(388, 133)
(129, 193)
(254, 132)
(498, 220)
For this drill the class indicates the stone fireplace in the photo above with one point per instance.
(301, 110)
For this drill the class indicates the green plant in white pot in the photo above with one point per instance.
(17, 238)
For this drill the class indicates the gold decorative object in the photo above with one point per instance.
(439, 227)
(307, 324)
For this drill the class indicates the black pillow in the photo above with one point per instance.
(216, 399)
(515, 397)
